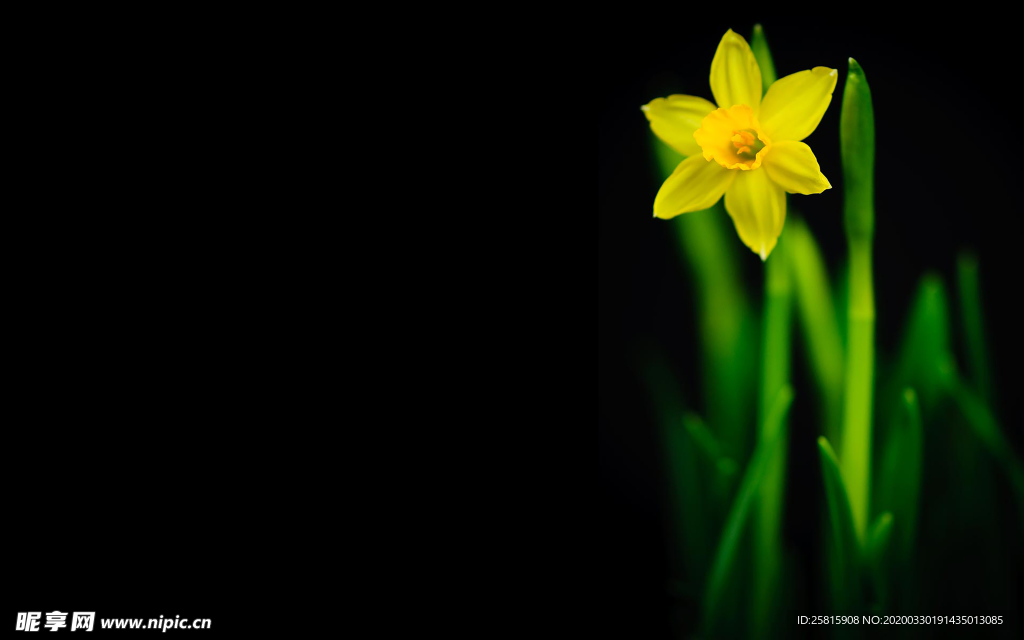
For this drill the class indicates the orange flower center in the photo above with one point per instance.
(747, 143)
(733, 138)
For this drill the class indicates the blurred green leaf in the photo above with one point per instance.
(759, 45)
(715, 454)
(878, 537)
(899, 483)
(876, 553)
(687, 508)
(722, 466)
(923, 362)
(974, 332)
(986, 427)
(705, 440)
(845, 544)
(727, 324)
(975, 440)
(728, 545)
(818, 320)
(923, 349)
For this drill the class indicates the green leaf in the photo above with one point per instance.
(705, 440)
(924, 347)
(819, 321)
(986, 427)
(875, 553)
(763, 55)
(878, 537)
(974, 331)
(729, 542)
(845, 545)
(687, 506)
(714, 453)
(710, 251)
(721, 465)
(899, 484)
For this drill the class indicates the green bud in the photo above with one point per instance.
(857, 138)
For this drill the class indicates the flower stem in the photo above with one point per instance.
(775, 375)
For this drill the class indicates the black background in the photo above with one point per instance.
(948, 115)
(142, 357)
(151, 355)
(143, 393)
(139, 481)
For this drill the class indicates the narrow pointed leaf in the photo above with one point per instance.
(818, 321)
(704, 439)
(876, 553)
(687, 506)
(879, 536)
(974, 331)
(899, 484)
(924, 345)
(729, 542)
(713, 453)
(986, 427)
(845, 544)
(722, 467)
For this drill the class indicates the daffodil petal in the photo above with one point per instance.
(758, 209)
(735, 76)
(793, 167)
(675, 118)
(696, 184)
(794, 105)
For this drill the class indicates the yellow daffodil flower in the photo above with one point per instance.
(748, 149)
